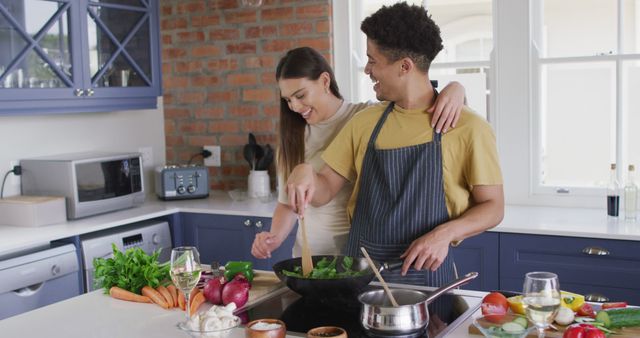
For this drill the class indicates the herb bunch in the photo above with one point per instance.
(130, 270)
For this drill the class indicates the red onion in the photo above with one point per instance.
(237, 291)
(213, 290)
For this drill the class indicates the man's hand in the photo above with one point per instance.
(427, 251)
(301, 186)
(264, 244)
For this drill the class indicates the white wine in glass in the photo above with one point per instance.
(185, 271)
(541, 299)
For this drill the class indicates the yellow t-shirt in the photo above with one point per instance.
(469, 153)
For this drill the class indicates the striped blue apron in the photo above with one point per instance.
(401, 198)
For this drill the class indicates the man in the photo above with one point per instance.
(416, 191)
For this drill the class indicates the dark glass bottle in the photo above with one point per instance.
(613, 193)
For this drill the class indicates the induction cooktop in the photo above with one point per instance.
(302, 314)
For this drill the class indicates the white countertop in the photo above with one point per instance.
(13, 238)
(576, 222)
(96, 315)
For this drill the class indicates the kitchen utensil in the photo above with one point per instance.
(265, 161)
(249, 154)
(384, 284)
(412, 316)
(347, 287)
(307, 264)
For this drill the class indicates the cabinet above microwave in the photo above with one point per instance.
(59, 56)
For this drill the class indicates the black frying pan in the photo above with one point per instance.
(330, 288)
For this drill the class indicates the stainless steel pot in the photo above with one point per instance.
(379, 317)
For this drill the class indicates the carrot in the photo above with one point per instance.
(198, 299)
(155, 296)
(181, 300)
(166, 294)
(123, 294)
(174, 294)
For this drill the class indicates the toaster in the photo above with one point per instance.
(176, 182)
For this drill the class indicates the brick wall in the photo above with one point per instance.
(219, 60)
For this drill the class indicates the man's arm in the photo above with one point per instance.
(305, 186)
(430, 250)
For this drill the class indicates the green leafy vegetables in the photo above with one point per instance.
(326, 269)
(130, 270)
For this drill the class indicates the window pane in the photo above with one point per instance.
(578, 123)
(631, 30)
(631, 106)
(474, 81)
(579, 28)
(465, 27)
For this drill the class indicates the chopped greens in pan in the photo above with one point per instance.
(326, 269)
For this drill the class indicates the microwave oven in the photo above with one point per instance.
(92, 183)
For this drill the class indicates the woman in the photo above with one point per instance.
(312, 111)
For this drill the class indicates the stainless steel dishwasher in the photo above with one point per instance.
(35, 279)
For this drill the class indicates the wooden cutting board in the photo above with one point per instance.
(622, 333)
(263, 283)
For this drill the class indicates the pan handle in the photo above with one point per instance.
(460, 281)
(391, 265)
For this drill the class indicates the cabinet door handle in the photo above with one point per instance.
(247, 223)
(596, 297)
(78, 92)
(89, 92)
(595, 251)
(259, 224)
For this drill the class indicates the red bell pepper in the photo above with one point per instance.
(614, 305)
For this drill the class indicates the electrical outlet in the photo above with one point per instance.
(147, 156)
(213, 160)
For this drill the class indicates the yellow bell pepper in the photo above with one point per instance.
(571, 300)
(516, 305)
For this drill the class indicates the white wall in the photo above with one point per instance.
(32, 136)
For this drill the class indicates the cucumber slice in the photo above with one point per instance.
(522, 321)
(513, 327)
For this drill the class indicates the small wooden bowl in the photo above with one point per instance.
(327, 332)
(279, 332)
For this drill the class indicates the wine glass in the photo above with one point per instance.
(541, 298)
(185, 270)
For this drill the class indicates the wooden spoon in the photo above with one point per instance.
(384, 284)
(307, 263)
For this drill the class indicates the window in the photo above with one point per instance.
(466, 29)
(585, 64)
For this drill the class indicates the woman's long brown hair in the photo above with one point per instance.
(298, 63)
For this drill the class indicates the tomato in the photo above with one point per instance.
(586, 311)
(583, 331)
(494, 306)
(613, 305)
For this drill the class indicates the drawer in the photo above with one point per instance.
(616, 267)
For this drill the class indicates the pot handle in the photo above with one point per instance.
(460, 281)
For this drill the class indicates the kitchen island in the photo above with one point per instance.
(97, 315)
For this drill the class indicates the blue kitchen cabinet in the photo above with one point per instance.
(60, 56)
(224, 238)
(479, 253)
(592, 267)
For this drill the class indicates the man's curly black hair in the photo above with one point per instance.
(403, 30)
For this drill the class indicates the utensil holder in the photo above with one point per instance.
(258, 184)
